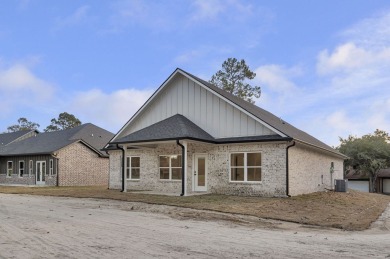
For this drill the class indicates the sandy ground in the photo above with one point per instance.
(55, 227)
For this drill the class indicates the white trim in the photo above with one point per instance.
(43, 173)
(184, 143)
(24, 167)
(129, 167)
(245, 167)
(196, 188)
(169, 168)
(12, 168)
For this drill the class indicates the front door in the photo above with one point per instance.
(200, 173)
(40, 172)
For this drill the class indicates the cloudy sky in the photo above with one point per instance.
(323, 66)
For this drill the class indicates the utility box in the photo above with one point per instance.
(341, 185)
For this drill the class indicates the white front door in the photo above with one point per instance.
(40, 172)
(200, 173)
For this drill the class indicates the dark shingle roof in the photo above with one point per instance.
(180, 127)
(175, 127)
(48, 142)
(267, 117)
(7, 138)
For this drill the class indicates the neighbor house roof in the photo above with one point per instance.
(7, 138)
(384, 172)
(286, 130)
(49, 142)
(180, 127)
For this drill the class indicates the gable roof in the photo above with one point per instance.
(7, 138)
(46, 143)
(268, 119)
(180, 127)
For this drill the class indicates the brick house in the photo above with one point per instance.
(71, 157)
(191, 136)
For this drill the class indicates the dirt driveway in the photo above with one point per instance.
(55, 227)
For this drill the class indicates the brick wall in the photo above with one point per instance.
(78, 165)
(309, 170)
(273, 169)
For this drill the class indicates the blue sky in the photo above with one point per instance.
(324, 66)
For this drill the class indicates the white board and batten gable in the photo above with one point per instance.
(216, 115)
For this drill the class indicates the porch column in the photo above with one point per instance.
(185, 167)
(124, 168)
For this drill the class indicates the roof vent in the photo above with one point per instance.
(92, 135)
(282, 121)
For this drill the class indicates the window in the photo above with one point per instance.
(9, 168)
(170, 167)
(30, 168)
(245, 167)
(133, 165)
(21, 168)
(51, 167)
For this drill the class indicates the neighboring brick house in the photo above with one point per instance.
(191, 136)
(71, 157)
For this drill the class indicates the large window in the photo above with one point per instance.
(245, 167)
(133, 166)
(170, 167)
(21, 168)
(9, 168)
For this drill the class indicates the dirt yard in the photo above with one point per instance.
(349, 211)
(59, 227)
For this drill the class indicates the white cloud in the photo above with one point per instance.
(277, 78)
(155, 15)
(19, 81)
(108, 110)
(80, 15)
(23, 90)
(205, 10)
(348, 57)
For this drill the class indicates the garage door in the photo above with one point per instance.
(386, 185)
(358, 185)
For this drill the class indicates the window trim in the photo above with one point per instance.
(24, 168)
(10, 169)
(129, 167)
(245, 167)
(170, 167)
(30, 167)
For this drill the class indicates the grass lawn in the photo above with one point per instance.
(351, 211)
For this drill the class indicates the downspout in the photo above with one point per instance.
(182, 167)
(287, 176)
(123, 167)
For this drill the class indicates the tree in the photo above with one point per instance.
(368, 154)
(64, 121)
(23, 124)
(232, 78)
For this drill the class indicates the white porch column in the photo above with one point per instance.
(125, 159)
(184, 143)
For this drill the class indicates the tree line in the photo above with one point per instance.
(64, 121)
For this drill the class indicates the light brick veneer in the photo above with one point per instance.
(309, 170)
(78, 165)
(273, 169)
